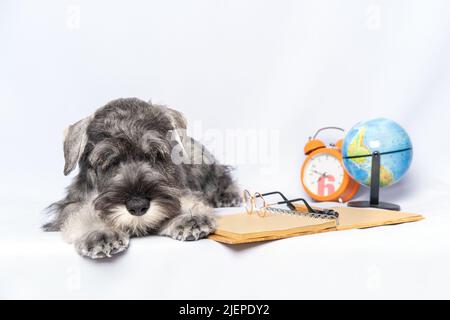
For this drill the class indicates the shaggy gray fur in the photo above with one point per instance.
(130, 184)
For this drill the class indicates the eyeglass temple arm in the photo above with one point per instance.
(292, 207)
(286, 201)
(310, 209)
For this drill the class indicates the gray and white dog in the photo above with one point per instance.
(139, 174)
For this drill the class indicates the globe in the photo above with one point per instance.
(382, 135)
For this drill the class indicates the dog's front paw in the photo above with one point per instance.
(187, 227)
(102, 244)
(233, 200)
(228, 199)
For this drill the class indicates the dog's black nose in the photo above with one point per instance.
(137, 206)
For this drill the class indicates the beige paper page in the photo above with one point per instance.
(244, 228)
(356, 218)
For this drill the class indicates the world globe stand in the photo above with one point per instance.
(375, 189)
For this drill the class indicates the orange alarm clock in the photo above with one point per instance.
(323, 175)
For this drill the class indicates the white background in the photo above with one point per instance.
(288, 67)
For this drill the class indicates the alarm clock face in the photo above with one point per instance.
(323, 175)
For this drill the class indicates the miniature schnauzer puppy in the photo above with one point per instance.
(139, 174)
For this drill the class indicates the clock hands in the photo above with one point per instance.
(322, 175)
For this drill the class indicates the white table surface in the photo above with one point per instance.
(403, 261)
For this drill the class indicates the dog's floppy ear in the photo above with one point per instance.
(179, 123)
(178, 119)
(75, 139)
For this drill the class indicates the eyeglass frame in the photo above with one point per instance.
(289, 203)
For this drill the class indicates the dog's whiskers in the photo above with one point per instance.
(120, 218)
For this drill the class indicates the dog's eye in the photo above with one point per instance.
(104, 161)
(104, 156)
(155, 148)
(154, 157)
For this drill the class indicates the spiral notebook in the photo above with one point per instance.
(245, 228)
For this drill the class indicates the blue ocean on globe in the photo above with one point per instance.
(384, 136)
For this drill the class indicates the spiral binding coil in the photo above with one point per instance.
(326, 214)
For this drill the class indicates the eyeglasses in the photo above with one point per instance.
(256, 203)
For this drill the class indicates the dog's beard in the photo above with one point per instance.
(121, 219)
(116, 214)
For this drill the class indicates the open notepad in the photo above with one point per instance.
(245, 228)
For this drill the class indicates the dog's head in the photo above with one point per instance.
(124, 155)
